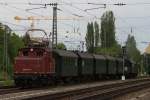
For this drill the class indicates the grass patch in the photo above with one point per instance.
(7, 83)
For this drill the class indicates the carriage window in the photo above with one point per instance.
(76, 62)
(83, 63)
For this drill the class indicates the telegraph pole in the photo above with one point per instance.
(54, 28)
(124, 54)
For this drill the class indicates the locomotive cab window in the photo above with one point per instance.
(39, 53)
(25, 53)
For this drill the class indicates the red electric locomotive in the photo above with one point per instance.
(34, 64)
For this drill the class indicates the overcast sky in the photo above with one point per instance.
(135, 15)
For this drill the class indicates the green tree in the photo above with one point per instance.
(61, 46)
(26, 39)
(1, 45)
(109, 45)
(108, 30)
(113, 51)
(14, 42)
(90, 38)
(96, 34)
(132, 51)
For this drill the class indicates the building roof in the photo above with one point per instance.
(65, 53)
(85, 55)
(110, 57)
(147, 50)
(99, 56)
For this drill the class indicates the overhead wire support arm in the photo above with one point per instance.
(94, 8)
(117, 4)
(35, 8)
(120, 4)
(97, 4)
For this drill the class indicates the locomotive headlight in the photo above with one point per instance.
(31, 49)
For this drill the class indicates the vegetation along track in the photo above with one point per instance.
(94, 91)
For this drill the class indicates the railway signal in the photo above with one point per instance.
(123, 53)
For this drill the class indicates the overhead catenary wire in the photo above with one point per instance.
(89, 9)
(45, 6)
(73, 3)
(20, 9)
(82, 16)
(79, 9)
(65, 3)
(69, 12)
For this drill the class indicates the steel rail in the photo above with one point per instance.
(99, 90)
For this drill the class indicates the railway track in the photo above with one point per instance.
(6, 87)
(96, 91)
(6, 90)
(13, 89)
(105, 92)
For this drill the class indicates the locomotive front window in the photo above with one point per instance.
(25, 53)
(39, 53)
(32, 52)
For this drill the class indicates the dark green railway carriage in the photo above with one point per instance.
(100, 64)
(111, 65)
(65, 63)
(119, 62)
(146, 63)
(85, 64)
(135, 68)
(128, 67)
